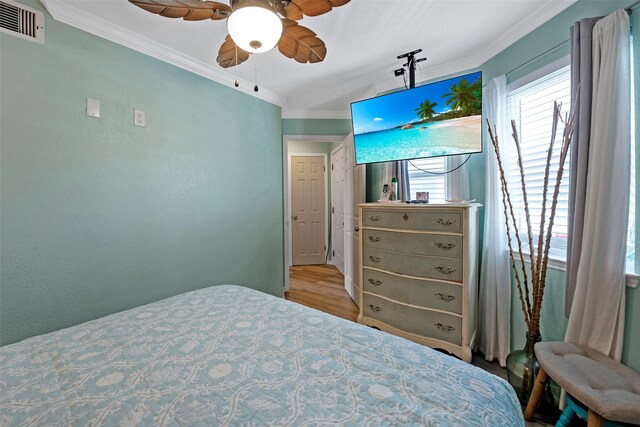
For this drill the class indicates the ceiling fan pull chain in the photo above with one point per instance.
(237, 83)
(255, 69)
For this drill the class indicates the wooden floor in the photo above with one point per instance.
(321, 287)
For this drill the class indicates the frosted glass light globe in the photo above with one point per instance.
(254, 29)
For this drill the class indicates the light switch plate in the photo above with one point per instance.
(93, 107)
(138, 117)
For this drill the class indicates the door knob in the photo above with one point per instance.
(295, 218)
(356, 229)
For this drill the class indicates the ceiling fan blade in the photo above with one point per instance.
(300, 43)
(289, 11)
(297, 8)
(227, 54)
(189, 10)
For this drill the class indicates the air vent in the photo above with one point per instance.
(21, 21)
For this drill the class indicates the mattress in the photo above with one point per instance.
(228, 355)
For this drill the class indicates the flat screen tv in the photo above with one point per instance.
(437, 119)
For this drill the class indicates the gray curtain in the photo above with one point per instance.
(598, 310)
(401, 173)
(581, 76)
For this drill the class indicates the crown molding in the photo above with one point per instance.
(77, 18)
(70, 15)
(547, 10)
(315, 114)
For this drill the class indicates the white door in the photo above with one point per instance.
(308, 210)
(337, 207)
(354, 195)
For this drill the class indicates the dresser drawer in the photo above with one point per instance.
(414, 243)
(449, 220)
(432, 324)
(414, 265)
(441, 296)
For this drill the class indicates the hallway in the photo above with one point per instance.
(321, 287)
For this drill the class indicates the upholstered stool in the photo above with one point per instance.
(607, 388)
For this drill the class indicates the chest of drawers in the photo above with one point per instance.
(419, 272)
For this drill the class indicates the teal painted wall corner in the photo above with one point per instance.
(98, 215)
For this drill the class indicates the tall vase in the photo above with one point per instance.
(522, 368)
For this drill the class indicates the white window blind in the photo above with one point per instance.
(531, 106)
(421, 180)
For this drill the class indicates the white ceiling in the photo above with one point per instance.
(363, 39)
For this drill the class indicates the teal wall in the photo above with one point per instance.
(98, 215)
(553, 36)
(316, 127)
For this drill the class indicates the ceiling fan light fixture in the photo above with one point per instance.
(254, 29)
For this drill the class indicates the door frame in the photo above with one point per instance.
(333, 240)
(326, 203)
(286, 179)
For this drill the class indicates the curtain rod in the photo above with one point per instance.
(630, 8)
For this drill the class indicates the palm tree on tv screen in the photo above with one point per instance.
(426, 109)
(464, 97)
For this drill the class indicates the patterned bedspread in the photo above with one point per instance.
(228, 355)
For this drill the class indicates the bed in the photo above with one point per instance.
(229, 355)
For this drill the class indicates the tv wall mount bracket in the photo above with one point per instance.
(409, 65)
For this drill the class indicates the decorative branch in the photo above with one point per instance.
(554, 128)
(564, 150)
(505, 197)
(534, 274)
(531, 308)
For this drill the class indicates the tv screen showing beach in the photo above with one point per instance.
(438, 119)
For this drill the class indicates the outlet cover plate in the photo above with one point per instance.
(138, 117)
(93, 107)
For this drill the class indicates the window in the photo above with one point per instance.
(419, 180)
(531, 106)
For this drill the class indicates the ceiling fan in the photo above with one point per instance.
(254, 26)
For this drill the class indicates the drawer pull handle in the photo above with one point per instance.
(405, 217)
(375, 282)
(375, 258)
(445, 246)
(444, 297)
(374, 238)
(445, 270)
(374, 308)
(375, 218)
(445, 221)
(444, 328)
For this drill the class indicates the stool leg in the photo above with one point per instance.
(538, 388)
(594, 420)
